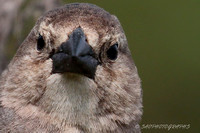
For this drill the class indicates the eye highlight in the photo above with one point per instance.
(112, 52)
(40, 43)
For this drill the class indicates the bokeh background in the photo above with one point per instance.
(164, 38)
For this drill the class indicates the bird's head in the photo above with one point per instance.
(75, 64)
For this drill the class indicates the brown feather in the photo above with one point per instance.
(35, 100)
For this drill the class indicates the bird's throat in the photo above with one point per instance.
(69, 99)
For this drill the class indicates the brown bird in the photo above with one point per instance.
(73, 73)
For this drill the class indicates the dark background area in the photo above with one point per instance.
(164, 38)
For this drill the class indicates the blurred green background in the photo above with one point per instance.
(164, 37)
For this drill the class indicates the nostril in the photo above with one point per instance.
(60, 50)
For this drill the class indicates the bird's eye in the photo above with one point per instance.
(40, 43)
(112, 52)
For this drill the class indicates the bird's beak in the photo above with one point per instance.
(75, 56)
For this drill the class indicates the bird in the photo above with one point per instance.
(74, 73)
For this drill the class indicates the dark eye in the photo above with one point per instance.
(112, 52)
(40, 43)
